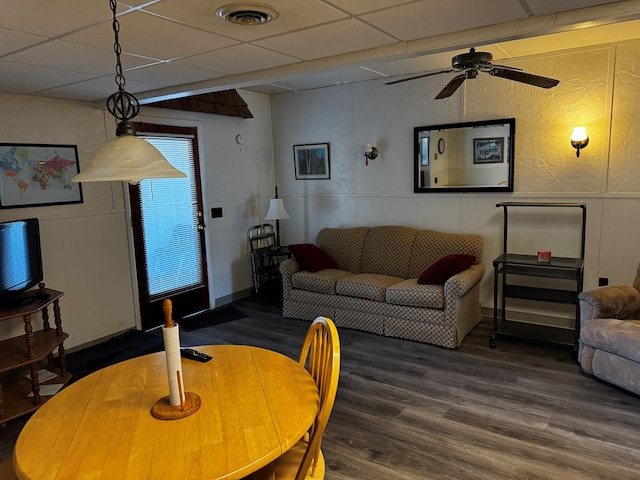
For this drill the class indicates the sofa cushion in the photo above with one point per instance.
(445, 268)
(619, 337)
(386, 250)
(344, 245)
(323, 281)
(311, 257)
(412, 294)
(366, 285)
(430, 246)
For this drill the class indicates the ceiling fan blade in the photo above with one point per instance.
(419, 76)
(451, 87)
(535, 80)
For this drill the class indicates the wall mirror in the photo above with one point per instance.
(464, 157)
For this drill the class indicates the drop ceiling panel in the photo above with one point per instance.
(72, 56)
(422, 19)
(326, 40)
(363, 6)
(166, 74)
(237, 59)
(150, 36)
(294, 15)
(96, 89)
(175, 43)
(28, 79)
(337, 76)
(52, 18)
(545, 7)
(10, 40)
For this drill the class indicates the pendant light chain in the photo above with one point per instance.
(122, 105)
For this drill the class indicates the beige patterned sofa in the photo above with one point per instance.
(374, 287)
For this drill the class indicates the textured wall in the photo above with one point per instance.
(599, 89)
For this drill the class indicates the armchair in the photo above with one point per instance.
(609, 345)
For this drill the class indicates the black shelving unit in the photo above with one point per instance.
(507, 265)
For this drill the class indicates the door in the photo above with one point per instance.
(169, 230)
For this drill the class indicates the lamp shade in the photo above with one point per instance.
(276, 210)
(579, 134)
(129, 159)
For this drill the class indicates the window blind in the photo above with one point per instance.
(170, 222)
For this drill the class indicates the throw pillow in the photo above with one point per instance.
(445, 268)
(311, 257)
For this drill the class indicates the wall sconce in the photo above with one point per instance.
(370, 153)
(579, 139)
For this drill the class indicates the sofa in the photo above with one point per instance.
(609, 346)
(372, 283)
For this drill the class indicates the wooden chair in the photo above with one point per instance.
(320, 355)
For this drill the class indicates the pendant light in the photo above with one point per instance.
(125, 158)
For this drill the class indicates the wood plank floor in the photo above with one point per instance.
(407, 410)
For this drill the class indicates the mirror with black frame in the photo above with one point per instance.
(464, 157)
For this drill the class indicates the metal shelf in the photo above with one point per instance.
(507, 265)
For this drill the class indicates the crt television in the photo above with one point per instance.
(20, 260)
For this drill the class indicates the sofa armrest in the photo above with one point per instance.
(287, 268)
(621, 302)
(460, 284)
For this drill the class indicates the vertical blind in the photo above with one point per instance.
(169, 210)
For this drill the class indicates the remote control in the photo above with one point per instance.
(195, 355)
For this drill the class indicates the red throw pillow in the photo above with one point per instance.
(311, 258)
(445, 268)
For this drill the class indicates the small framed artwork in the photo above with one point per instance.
(488, 150)
(38, 174)
(312, 161)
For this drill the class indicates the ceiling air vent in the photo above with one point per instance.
(248, 13)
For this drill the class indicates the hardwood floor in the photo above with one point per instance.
(407, 410)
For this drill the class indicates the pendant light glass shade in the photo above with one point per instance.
(127, 158)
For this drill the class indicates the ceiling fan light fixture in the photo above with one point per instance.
(248, 14)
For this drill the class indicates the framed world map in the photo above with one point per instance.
(38, 174)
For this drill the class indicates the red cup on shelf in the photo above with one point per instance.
(544, 256)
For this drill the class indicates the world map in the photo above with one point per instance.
(30, 172)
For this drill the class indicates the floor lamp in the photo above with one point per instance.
(276, 212)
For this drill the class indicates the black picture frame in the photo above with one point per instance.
(488, 150)
(38, 174)
(312, 161)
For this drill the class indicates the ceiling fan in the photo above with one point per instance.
(473, 62)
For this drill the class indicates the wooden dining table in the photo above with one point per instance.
(255, 405)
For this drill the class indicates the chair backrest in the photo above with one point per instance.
(320, 355)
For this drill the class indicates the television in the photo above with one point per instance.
(20, 261)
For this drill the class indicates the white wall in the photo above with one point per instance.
(599, 89)
(86, 246)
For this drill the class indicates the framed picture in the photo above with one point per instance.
(488, 150)
(38, 174)
(312, 161)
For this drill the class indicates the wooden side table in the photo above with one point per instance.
(29, 350)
